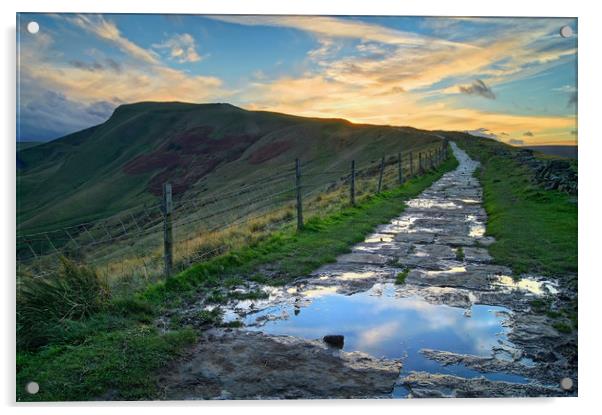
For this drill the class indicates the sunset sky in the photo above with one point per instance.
(513, 79)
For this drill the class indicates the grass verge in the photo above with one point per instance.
(535, 229)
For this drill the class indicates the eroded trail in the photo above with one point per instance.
(423, 310)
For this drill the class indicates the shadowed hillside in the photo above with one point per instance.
(199, 148)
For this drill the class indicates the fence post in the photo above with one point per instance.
(167, 229)
(399, 168)
(420, 169)
(352, 188)
(299, 199)
(411, 165)
(380, 176)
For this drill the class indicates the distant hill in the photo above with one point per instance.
(123, 162)
(22, 145)
(561, 151)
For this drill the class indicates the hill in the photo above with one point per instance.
(123, 162)
(22, 145)
(560, 151)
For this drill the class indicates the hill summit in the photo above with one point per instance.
(124, 161)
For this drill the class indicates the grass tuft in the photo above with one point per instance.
(400, 279)
(48, 307)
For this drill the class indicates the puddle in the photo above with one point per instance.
(319, 291)
(529, 285)
(350, 276)
(379, 237)
(431, 203)
(452, 270)
(383, 324)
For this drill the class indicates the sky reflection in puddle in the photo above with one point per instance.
(532, 286)
(384, 325)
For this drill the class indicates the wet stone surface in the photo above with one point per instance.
(456, 326)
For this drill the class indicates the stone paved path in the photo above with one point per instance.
(439, 242)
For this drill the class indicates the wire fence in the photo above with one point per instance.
(153, 240)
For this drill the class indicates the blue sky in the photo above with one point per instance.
(513, 79)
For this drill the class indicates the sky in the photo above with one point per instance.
(510, 79)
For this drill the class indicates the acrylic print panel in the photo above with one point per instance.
(295, 207)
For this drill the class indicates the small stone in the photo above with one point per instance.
(334, 340)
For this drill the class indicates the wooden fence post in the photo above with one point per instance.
(167, 229)
(380, 176)
(352, 188)
(411, 165)
(399, 168)
(299, 199)
(420, 169)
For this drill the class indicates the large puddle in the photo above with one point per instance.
(384, 324)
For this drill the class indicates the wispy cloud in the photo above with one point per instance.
(333, 27)
(181, 47)
(95, 65)
(108, 31)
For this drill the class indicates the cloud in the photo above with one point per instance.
(528, 134)
(566, 88)
(52, 114)
(108, 31)
(516, 142)
(95, 65)
(181, 47)
(87, 90)
(572, 99)
(326, 26)
(484, 133)
(478, 87)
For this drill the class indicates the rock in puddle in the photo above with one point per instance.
(334, 340)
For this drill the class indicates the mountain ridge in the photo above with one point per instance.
(125, 160)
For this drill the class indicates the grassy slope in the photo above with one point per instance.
(535, 229)
(113, 354)
(80, 176)
(22, 145)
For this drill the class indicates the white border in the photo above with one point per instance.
(590, 153)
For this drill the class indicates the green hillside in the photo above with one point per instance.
(22, 145)
(123, 162)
